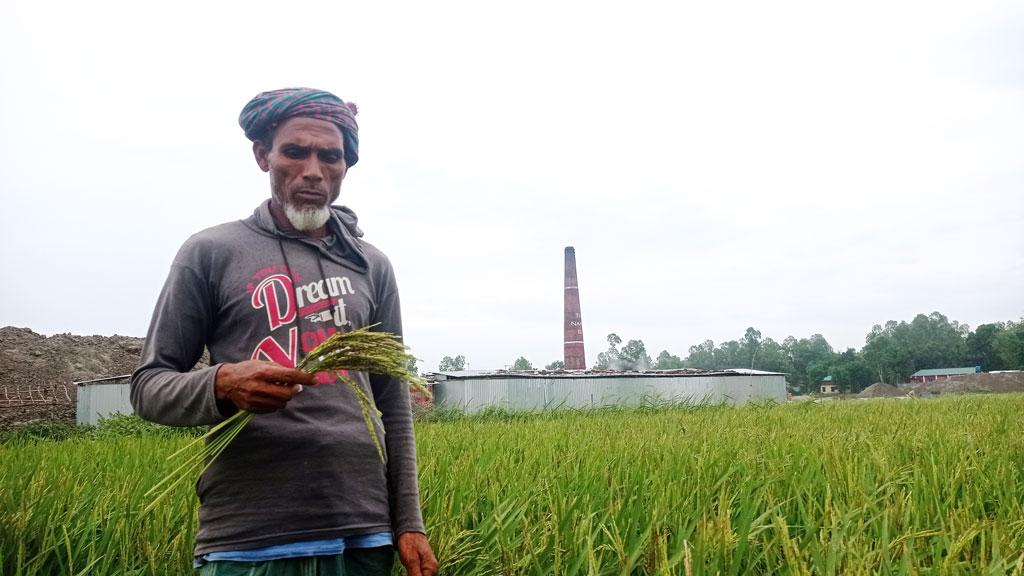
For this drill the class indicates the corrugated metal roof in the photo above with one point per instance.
(946, 371)
(680, 372)
(107, 379)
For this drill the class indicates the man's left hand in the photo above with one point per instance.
(416, 555)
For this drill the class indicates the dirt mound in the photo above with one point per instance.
(981, 383)
(880, 390)
(30, 358)
(37, 372)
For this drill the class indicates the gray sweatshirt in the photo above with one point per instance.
(248, 290)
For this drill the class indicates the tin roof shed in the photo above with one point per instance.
(103, 397)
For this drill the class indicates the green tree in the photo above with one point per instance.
(750, 345)
(522, 363)
(702, 356)
(891, 352)
(609, 359)
(668, 361)
(980, 347)
(850, 372)
(411, 365)
(887, 354)
(449, 364)
(772, 357)
(750, 352)
(730, 355)
(935, 342)
(810, 359)
(1009, 345)
(634, 356)
(556, 365)
(899, 349)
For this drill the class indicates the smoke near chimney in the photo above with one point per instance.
(575, 359)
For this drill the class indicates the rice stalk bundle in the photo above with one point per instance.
(361, 350)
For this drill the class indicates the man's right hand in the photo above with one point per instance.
(258, 386)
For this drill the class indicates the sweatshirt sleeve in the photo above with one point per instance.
(392, 398)
(162, 388)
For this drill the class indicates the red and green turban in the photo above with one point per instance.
(267, 110)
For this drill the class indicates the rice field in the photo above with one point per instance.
(859, 487)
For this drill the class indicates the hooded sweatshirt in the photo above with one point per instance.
(247, 290)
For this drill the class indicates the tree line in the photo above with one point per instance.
(891, 353)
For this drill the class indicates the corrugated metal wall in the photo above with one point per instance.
(102, 399)
(474, 394)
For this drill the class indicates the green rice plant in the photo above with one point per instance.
(361, 350)
(887, 486)
(73, 507)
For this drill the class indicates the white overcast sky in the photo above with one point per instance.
(800, 167)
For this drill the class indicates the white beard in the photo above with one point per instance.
(307, 218)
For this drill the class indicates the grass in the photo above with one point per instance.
(875, 487)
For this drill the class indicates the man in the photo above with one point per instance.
(301, 490)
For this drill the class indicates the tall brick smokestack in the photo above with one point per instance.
(575, 359)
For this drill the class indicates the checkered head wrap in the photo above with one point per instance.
(268, 109)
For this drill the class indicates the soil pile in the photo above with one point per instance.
(37, 373)
(880, 390)
(29, 358)
(981, 383)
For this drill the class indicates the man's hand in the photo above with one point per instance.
(416, 555)
(258, 386)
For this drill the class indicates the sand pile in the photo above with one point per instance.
(881, 390)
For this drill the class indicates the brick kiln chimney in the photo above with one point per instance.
(574, 356)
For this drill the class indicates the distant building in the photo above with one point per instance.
(827, 386)
(933, 374)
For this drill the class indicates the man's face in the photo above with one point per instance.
(306, 162)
